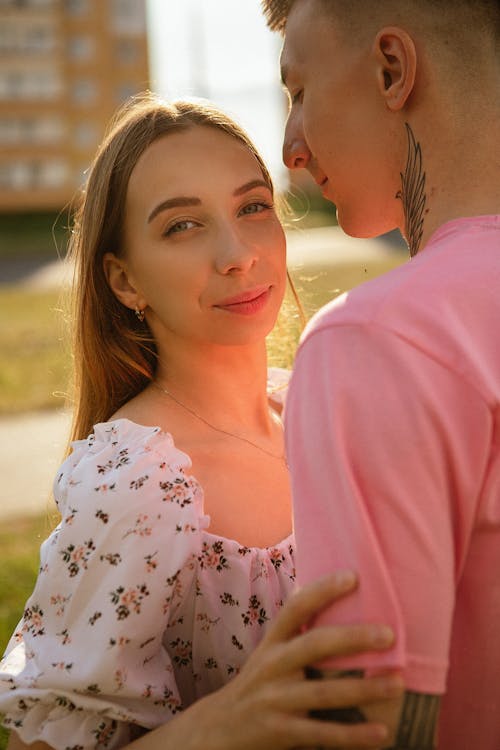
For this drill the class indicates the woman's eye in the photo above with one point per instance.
(256, 207)
(297, 96)
(180, 226)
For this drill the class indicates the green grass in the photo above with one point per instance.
(34, 362)
(20, 541)
(33, 235)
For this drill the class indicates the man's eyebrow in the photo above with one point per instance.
(250, 186)
(182, 200)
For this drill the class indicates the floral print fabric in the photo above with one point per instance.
(137, 610)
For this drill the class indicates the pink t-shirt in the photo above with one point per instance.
(393, 436)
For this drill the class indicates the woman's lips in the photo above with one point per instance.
(246, 303)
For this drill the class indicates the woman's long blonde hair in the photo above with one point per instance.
(114, 353)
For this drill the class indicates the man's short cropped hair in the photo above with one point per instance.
(459, 16)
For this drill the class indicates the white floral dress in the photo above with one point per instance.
(137, 610)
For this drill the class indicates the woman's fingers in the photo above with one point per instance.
(329, 641)
(308, 602)
(271, 686)
(290, 731)
(311, 695)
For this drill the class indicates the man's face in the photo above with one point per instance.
(338, 126)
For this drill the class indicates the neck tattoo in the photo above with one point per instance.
(412, 193)
(279, 457)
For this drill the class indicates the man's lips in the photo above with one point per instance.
(247, 302)
(317, 173)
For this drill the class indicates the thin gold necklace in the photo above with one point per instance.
(280, 457)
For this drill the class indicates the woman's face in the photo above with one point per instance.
(204, 248)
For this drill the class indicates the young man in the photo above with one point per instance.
(393, 418)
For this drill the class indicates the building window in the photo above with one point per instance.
(10, 132)
(5, 173)
(36, 130)
(16, 176)
(30, 84)
(81, 48)
(23, 38)
(84, 91)
(40, 39)
(86, 135)
(77, 7)
(128, 17)
(126, 51)
(33, 175)
(53, 174)
(48, 130)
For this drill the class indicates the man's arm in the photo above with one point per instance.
(411, 719)
(381, 472)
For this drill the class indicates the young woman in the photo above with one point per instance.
(175, 548)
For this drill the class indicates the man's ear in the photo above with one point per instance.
(120, 283)
(396, 57)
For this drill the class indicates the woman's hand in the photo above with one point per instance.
(267, 704)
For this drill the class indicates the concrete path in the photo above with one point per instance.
(31, 449)
(32, 445)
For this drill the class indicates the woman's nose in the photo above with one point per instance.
(236, 254)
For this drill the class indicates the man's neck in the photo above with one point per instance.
(462, 176)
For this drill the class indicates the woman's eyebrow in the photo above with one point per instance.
(250, 186)
(182, 200)
(185, 200)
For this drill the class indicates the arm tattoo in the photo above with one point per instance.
(412, 193)
(417, 723)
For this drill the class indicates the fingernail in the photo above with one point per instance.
(382, 636)
(345, 578)
(379, 732)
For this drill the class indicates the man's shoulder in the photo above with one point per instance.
(453, 276)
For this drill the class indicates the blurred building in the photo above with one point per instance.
(65, 66)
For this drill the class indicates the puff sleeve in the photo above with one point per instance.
(87, 664)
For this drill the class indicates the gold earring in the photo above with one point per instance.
(139, 314)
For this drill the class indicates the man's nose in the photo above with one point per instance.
(296, 153)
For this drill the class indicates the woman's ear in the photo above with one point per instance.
(396, 58)
(120, 283)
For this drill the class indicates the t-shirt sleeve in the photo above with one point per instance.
(381, 440)
(87, 663)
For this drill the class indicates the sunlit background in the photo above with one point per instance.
(65, 67)
(223, 51)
